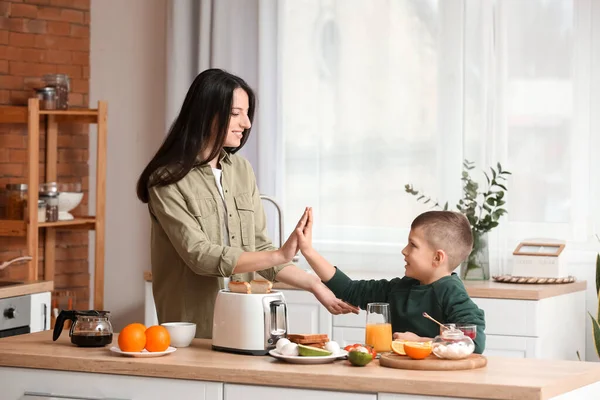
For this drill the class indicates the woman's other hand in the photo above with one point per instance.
(334, 305)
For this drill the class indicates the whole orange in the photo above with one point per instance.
(132, 338)
(157, 338)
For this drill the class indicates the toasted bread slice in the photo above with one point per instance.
(261, 286)
(239, 287)
(308, 338)
(317, 345)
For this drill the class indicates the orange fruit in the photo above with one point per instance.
(398, 347)
(417, 350)
(157, 338)
(132, 338)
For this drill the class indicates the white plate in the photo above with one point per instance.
(309, 360)
(143, 353)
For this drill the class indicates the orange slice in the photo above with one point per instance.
(398, 347)
(417, 350)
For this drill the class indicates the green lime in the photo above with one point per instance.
(308, 351)
(359, 358)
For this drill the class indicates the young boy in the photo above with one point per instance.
(438, 242)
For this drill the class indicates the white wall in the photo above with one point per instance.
(127, 70)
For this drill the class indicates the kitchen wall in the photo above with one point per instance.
(128, 70)
(39, 37)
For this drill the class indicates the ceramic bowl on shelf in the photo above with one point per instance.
(69, 197)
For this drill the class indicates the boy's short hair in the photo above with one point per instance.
(449, 231)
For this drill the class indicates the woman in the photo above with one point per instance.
(207, 218)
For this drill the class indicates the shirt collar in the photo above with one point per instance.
(224, 156)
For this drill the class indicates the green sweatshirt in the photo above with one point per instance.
(446, 300)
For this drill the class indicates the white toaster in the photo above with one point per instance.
(248, 323)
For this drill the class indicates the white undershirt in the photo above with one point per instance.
(218, 175)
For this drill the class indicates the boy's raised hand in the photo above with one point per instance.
(304, 231)
(291, 246)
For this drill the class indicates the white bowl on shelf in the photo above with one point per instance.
(66, 202)
(69, 197)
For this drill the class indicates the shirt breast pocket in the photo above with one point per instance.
(205, 212)
(245, 209)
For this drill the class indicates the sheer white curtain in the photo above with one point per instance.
(376, 94)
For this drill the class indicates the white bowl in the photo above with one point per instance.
(66, 202)
(181, 333)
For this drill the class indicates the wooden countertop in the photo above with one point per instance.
(480, 289)
(503, 378)
(24, 288)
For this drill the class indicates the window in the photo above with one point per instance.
(376, 94)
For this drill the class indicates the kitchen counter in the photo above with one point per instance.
(479, 289)
(503, 378)
(25, 288)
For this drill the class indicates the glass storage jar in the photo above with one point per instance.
(452, 344)
(48, 97)
(62, 84)
(17, 200)
(41, 211)
(51, 199)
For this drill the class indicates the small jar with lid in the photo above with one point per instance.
(51, 200)
(453, 344)
(41, 211)
(17, 200)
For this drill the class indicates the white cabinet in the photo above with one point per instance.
(40, 312)
(550, 328)
(18, 381)
(306, 314)
(247, 392)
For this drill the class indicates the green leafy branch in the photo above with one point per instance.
(484, 208)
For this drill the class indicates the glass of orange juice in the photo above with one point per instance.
(379, 328)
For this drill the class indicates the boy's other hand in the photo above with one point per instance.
(408, 336)
(334, 305)
(304, 231)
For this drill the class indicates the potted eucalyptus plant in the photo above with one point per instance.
(483, 207)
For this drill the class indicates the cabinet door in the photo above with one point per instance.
(511, 346)
(306, 314)
(82, 385)
(246, 392)
(346, 336)
(40, 312)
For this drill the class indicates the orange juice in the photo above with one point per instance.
(379, 336)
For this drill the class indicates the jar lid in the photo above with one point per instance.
(47, 89)
(16, 186)
(49, 194)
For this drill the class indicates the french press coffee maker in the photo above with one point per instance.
(89, 328)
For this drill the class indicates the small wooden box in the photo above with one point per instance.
(538, 259)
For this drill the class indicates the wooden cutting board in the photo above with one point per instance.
(432, 363)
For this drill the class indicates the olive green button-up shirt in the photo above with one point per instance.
(188, 257)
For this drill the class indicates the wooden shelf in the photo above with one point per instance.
(19, 228)
(19, 115)
(49, 120)
(79, 221)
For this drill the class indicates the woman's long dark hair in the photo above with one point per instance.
(202, 122)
